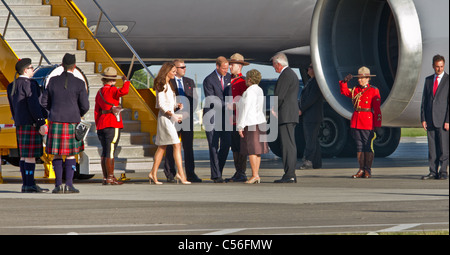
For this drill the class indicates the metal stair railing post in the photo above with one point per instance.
(135, 55)
(25, 31)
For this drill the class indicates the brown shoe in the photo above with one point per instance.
(368, 173)
(359, 174)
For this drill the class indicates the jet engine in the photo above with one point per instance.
(396, 39)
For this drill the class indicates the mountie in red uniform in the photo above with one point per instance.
(366, 104)
(112, 95)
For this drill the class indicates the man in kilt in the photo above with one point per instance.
(66, 99)
(29, 118)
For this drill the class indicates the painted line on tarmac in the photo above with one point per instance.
(216, 231)
(398, 228)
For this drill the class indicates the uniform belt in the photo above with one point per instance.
(106, 112)
(358, 109)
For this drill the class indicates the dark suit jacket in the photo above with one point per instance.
(287, 91)
(189, 91)
(311, 102)
(65, 105)
(213, 87)
(435, 109)
(24, 104)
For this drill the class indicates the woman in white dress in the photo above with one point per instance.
(166, 133)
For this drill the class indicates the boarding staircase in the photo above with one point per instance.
(51, 33)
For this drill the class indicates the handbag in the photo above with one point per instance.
(116, 110)
(81, 130)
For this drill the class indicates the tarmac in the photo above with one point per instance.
(324, 201)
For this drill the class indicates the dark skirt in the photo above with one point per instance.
(29, 141)
(251, 144)
(61, 139)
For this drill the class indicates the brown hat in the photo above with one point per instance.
(238, 58)
(110, 73)
(363, 72)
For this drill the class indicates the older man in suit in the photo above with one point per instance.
(186, 91)
(286, 90)
(435, 119)
(218, 132)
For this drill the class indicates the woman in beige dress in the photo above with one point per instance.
(166, 133)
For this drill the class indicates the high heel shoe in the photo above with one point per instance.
(178, 178)
(151, 179)
(253, 180)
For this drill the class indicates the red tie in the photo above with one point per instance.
(435, 85)
(221, 81)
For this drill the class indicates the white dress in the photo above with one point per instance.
(166, 133)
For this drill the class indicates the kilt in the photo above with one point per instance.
(29, 141)
(61, 139)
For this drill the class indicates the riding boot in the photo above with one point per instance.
(104, 170)
(111, 180)
(360, 173)
(368, 159)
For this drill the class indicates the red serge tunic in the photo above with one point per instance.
(367, 113)
(238, 87)
(111, 95)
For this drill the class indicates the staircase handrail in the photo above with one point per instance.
(11, 12)
(135, 55)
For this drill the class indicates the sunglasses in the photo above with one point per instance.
(182, 67)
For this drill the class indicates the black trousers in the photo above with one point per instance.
(286, 134)
(312, 150)
(438, 150)
(187, 141)
(109, 139)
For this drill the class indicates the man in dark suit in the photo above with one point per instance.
(217, 88)
(186, 94)
(435, 119)
(286, 90)
(311, 111)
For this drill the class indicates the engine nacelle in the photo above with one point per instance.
(396, 39)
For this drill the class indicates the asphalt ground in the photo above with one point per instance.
(324, 201)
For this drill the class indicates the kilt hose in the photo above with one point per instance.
(61, 139)
(29, 141)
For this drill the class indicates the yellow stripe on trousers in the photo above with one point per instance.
(373, 139)
(114, 141)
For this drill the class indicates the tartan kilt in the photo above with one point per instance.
(29, 141)
(61, 139)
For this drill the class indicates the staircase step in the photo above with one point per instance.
(27, 10)
(38, 33)
(60, 45)
(126, 139)
(132, 151)
(54, 56)
(23, 2)
(31, 22)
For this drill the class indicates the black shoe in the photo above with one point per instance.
(39, 189)
(194, 178)
(443, 177)
(286, 180)
(429, 177)
(70, 189)
(170, 179)
(218, 180)
(237, 178)
(58, 190)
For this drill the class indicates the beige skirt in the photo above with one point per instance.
(251, 143)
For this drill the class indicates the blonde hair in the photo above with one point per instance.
(254, 76)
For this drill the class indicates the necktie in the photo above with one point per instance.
(221, 81)
(180, 88)
(435, 85)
